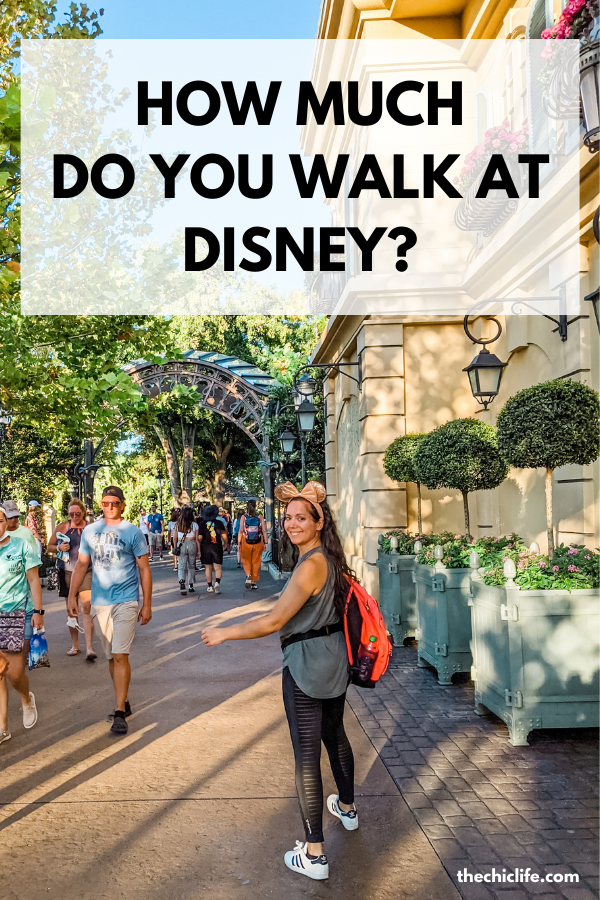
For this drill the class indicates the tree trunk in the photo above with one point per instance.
(465, 495)
(221, 453)
(419, 516)
(549, 512)
(188, 437)
(168, 444)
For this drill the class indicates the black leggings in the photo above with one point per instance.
(312, 721)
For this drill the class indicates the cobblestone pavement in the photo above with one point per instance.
(483, 804)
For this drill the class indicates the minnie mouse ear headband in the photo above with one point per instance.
(314, 492)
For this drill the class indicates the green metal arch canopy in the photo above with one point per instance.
(226, 385)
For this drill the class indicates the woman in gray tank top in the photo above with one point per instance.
(309, 618)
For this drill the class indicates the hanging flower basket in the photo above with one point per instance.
(560, 72)
(487, 214)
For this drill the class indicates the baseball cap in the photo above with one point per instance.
(11, 510)
(34, 503)
(113, 491)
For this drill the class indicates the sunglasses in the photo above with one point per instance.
(106, 503)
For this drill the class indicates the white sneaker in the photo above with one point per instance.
(217, 588)
(349, 819)
(5, 736)
(30, 715)
(210, 589)
(297, 860)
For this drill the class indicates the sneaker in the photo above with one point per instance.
(182, 589)
(210, 589)
(5, 736)
(119, 725)
(191, 589)
(217, 588)
(30, 715)
(298, 861)
(111, 716)
(248, 583)
(349, 819)
(239, 566)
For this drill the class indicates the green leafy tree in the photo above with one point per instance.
(462, 455)
(398, 464)
(43, 454)
(551, 424)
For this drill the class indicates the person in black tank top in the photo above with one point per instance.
(309, 616)
(73, 529)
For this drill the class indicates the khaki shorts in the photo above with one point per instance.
(117, 626)
(155, 541)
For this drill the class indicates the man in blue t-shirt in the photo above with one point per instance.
(119, 556)
(156, 524)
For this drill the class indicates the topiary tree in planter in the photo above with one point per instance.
(462, 455)
(551, 424)
(398, 464)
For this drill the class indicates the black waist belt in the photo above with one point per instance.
(315, 633)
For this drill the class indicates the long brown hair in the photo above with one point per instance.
(332, 548)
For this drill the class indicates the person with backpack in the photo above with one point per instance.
(213, 538)
(253, 534)
(310, 617)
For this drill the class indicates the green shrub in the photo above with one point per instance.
(571, 568)
(461, 455)
(406, 541)
(398, 464)
(551, 424)
(457, 550)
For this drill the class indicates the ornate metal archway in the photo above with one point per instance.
(226, 385)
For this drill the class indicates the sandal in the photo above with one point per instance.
(91, 656)
(73, 652)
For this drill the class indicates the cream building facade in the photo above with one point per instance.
(411, 365)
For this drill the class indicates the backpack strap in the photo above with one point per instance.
(315, 633)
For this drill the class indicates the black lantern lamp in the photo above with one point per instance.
(5, 419)
(305, 388)
(485, 372)
(485, 375)
(287, 440)
(589, 60)
(306, 413)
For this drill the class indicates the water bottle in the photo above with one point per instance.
(367, 654)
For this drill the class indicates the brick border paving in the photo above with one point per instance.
(482, 803)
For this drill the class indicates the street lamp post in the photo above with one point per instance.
(160, 481)
(305, 415)
(5, 419)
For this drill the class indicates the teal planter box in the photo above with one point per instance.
(397, 596)
(444, 619)
(535, 657)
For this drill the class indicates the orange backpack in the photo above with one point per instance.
(363, 620)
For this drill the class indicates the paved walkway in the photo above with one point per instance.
(198, 799)
(482, 803)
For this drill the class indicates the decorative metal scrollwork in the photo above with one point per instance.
(230, 387)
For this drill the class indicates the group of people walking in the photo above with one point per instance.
(205, 538)
(106, 562)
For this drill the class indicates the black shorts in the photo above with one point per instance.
(211, 555)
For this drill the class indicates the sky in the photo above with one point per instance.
(205, 18)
